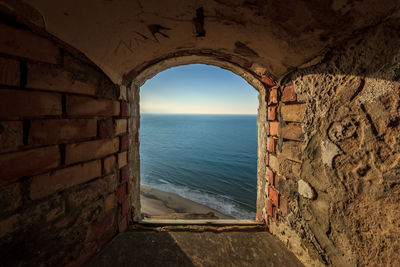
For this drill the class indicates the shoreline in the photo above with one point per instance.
(158, 204)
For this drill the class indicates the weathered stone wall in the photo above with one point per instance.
(63, 153)
(334, 183)
(328, 186)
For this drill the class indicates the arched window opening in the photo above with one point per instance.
(198, 145)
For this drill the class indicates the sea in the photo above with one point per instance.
(210, 159)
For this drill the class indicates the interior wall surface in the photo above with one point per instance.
(122, 35)
(329, 188)
(334, 173)
(63, 153)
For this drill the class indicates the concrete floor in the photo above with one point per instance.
(150, 248)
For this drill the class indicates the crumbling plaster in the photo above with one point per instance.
(351, 152)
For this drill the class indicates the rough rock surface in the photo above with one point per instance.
(353, 105)
(349, 151)
(305, 189)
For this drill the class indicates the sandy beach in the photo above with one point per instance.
(157, 204)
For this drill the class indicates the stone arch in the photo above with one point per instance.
(161, 65)
(151, 70)
(286, 35)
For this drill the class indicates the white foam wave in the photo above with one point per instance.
(163, 181)
(222, 203)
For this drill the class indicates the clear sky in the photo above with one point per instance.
(198, 88)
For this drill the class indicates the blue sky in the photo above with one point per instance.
(200, 89)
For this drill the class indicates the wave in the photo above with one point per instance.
(163, 181)
(211, 160)
(222, 203)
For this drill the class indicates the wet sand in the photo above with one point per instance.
(157, 204)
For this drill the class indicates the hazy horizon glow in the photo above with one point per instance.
(198, 89)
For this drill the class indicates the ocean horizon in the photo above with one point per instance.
(207, 158)
(238, 114)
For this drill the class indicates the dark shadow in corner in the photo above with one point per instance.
(142, 249)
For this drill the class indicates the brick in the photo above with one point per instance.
(49, 183)
(124, 141)
(90, 150)
(122, 159)
(109, 164)
(273, 128)
(268, 81)
(283, 205)
(123, 224)
(121, 126)
(106, 128)
(293, 113)
(273, 163)
(81, 105)
(18, 103)
(110, 202)
(22, 43)
(291, 150)
(48, 77)
(10, 197)
(271, 177)
(292, 131)
(273, 95)
(10, 73)
(288, 94)
(273, 212)
(271, 144)
(56, 131)
(11, 135)
(129, 214)
(270, 210)
(124, 109)
(272, 113)
(124, 174)
(27, 163)
(273, 195)
(125, 207)
(128, 189)
(122, 192)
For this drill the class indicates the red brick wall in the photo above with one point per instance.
(64, 148)
(284, 141)
(63, 153)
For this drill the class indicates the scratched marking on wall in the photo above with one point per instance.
(139, 38)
